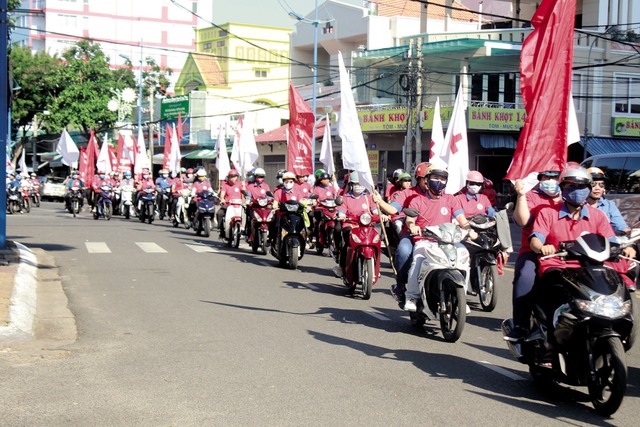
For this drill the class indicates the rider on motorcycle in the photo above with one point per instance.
(189, 178)
(74, 181)
(177, 185)
(288, 191)
(163, 185)
(472, 200)
(324, 190)
(596, 199)
(355, 202)
(435, 207)
(563, 222)
(146, 182)
(393, 185)
(98, 181)
(230, 190)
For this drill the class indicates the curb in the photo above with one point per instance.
(22, 310)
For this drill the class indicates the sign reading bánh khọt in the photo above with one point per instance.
(500, 119)
(624, 126)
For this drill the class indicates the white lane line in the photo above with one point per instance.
(200, 248)
(265, 263)
(151, 248)
(377, 315)
(97, 248)
(502, 371)
(310, 286)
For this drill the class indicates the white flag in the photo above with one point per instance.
(573, 131)
(437, 135)
(222, 161)
(68, 149)
(174, 158)
(235, 150)
(326, 151)
(248, 148)
(10, 168)
(455, 152)
(104, 161)
(23, 163)
(142, 159)
(354, 151)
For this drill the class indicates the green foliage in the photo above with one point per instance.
(155, 78)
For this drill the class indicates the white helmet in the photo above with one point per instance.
(259, 173)
(201, 172)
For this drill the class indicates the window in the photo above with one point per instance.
(577, 90)
(630, 179)
(220, 43)
(223, 33)
(510, 88)
(612, 167)
(261, 74)
(493, 88)
(624, 88)
(251, 54)
(240, 53)
(476, 87)
(206, 46)
(68, 20)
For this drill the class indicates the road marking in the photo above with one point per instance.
(97, 248)
(200, 248)
(265, 263)
(502, 371)
(377, 315)
(151, 248)
(310, 286)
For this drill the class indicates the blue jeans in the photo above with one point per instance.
(524, 278)
(404, 256)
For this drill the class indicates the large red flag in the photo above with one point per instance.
(123, 161)
(301, 135)
(92, 157)
(167, 147)
(545, 82)
(179, 128)
(82, 163)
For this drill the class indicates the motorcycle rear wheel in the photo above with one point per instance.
(207, 227)
(235, 235)
(607, 391)
(487, 291)
(453, 319)
(367, 275)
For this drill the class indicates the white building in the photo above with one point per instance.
(148, 28)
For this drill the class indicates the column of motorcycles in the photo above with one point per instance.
(20, 198)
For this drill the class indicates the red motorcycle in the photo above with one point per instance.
(326, 226)
(362, 266)
(235, 229)
(26, 199)
(262, 214)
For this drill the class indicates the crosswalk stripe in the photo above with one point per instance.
(97, 248)
(200, 248)
(501, 371)
(151, 248)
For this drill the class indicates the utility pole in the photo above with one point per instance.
(408, 157)
(4, 118)
(418, 129)
(151, 125)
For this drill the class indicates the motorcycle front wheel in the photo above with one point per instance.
(13, 207)
(107, 211)
(150, 212)
(367, 275)
(207, 227)
(127, 212)
(27, 205)
(453, 314)
(36, 201)
(487, 291)
(255, 240)
(294, 252)
(235, 235)
(607, 388)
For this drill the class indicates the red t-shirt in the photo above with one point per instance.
(258, 191)
(305, 189)
(389, 191)
(435, 211)
(283, 195)
(474, 205)
(324, 193)
(232, 192)
(354, 206)
(200, 186)
(553, 225)
(400, 200)
(535, 201)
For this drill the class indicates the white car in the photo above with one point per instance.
(53, 188)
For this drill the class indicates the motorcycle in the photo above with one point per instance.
(147, 205)
(14, 199)
(162, 201)
(203, 219)
(263, 214)
(581, 325)
(182, 206)
(362, 264)
(75, 197)
(444, 274)
(291, 234)
(126, 200)
(326, 226)
(235, 228)
(35, 196)
(485, 251)
(26, 199)
(104, 204)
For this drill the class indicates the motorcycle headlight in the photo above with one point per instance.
(262, 202)
(376, 238)
(270, 217)
(485, 226)
(355, 238)
(365, 219)
(291, 207)
(607, 306)
(257, 216)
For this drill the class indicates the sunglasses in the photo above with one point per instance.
(475, 183)
(576, 186)
(597, 184)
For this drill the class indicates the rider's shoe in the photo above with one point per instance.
(411, 305)
(338, 271)
(517, 334)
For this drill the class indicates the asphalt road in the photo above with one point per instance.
(179, 330)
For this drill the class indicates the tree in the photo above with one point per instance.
(86, 82)
(155, 79)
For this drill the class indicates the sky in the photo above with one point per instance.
(264, 12)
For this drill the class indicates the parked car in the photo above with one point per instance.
(623, 181)
(53, 188)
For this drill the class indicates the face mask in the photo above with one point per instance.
(575, 196)
(550, 187)
(436, 186)
(101, 176)
(288, 185)
(280, 181)
(473, 189)
(259, 180)
(164, 175)
(358, 189)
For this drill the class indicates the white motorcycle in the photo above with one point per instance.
(126, 200)
(443, 278)
(182, 206)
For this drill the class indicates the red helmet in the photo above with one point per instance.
(475, 176)
(421, 170)
(233, 172)
(190, 171)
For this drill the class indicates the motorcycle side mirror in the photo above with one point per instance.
(269, 193)
(244, 193)
(313, 196)
(509, 206)
(412, 212)
(339, 201)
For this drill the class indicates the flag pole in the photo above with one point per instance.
(386, 243)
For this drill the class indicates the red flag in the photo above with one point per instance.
(82, 163)
(301, 135)
(545, 82)
(167, 147)
(179, 128)
(113, 158)
(92, 156)
(122, 158)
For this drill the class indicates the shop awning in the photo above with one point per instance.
(597, 146)
(493, 141)
(202, 153)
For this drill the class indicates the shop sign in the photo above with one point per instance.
(171, 106)
(497, 119)
(623, 126)
(374, 157)
(395, 120)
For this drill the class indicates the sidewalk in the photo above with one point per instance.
(33, 305)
